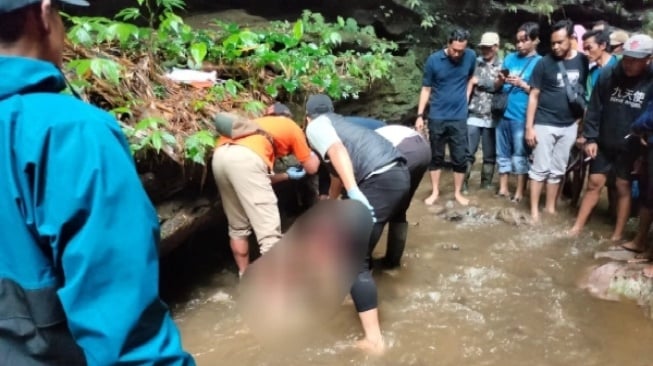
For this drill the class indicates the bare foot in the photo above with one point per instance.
(430, 200)
(616, 238)
(648, 271)
(632, 246)
(550, 212)
(535, 219)
(376, 348)
(461, 199)
(573, 232)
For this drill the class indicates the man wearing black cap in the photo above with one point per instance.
(374, 173)
(79, 268)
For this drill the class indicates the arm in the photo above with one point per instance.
(342, 164)
(533, 100)
(335, 188)
(279, 177)
(424, 96)
(644, 123)
(105, 234)
(593, 114)
(470, 87)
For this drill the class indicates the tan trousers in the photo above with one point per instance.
(247, 196)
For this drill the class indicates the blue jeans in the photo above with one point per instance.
(512, 155)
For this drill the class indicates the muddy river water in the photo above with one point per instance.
(471, 291)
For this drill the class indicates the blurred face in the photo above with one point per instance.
(488, 52)
(456, 50)
(560, 43)
(634, 67)
(524, 44)
(593, 50)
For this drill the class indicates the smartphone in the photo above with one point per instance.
(505, 72)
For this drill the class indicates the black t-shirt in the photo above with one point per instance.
(553, 107)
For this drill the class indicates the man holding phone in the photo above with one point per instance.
(512, 156)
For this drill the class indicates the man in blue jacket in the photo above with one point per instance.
(79, 266)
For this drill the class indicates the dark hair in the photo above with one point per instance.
(600, 36)
(602, 22)
(565, 24)
(458, 35)
(531, 29)
(13, 24)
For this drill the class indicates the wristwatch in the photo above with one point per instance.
(420, 115)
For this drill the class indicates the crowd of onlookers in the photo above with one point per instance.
(584, 107)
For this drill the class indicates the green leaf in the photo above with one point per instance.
(341, 21)
(128, 14)
(335, 38)
(198, 52)
(298, 30)
(157, 140)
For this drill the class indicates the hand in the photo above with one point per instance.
(419, 124)
(295, 173)
(531, 138)
(591, 149)
(356, 194)
(514, 80)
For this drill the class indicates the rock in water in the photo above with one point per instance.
(513, 216)
(615, 281)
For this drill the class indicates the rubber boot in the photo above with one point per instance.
(487, 174)
(468, 172)
(397, 232)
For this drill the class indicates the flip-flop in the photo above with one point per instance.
(619, 247)
(502, 195)
(514, 199)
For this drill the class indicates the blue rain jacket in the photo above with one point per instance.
(79, 237)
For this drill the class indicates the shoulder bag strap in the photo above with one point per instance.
(565, 79)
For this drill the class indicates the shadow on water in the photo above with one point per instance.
(195, 264)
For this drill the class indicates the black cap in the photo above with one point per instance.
(318, 104)
(279, 109)
(7, 6)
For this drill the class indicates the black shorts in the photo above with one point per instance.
(617, 162)
(451, 133)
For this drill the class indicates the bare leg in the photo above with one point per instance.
(595, 185)
(623, 207)
(373, 341)
(457, 186)
(551, 197)
(240, 249)
(435, 184)
(639, 242)
(521, 184)
(536, 190)
(503, 184)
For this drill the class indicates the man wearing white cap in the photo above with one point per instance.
(617, 39)
(480, 123)
(621, 95)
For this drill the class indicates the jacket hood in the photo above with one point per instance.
(21, 75)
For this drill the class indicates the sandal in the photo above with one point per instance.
(514, 199)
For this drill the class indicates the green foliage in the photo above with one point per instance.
(289, 58)
(198, 145)
(148, 133)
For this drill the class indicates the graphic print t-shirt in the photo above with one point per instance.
(553, 107)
